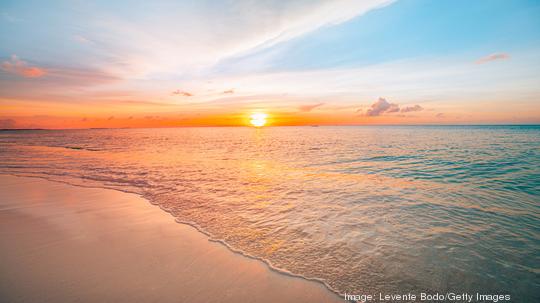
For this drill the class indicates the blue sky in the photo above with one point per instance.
(457, 61)
(412, 29)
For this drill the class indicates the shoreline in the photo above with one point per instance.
(36, 232)
(187, 223)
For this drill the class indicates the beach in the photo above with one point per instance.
(269, 151)
(64, 243)
(363, 209)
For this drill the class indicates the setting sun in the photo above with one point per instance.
(258, 119)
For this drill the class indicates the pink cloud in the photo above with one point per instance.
(310, 107)
(384, 107)
(380, 107)
(19, 67)
(493, 57)
(229, 91)
(415, 108)
(182, 93)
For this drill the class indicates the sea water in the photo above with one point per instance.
(365, 210)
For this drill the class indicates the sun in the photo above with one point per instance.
(258, 119)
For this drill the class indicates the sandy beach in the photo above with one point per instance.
(62, 243)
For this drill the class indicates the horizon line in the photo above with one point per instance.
(271, 126)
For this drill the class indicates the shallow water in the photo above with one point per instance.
(364, 209)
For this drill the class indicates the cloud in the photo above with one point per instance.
(229, 91)
(79, 77)
(415, 108)
(19, 67)
(144, 46)
(182, 93)
(7, 123)
(130, 102)
(384, 107)
(63, 84)
(380, 107)
(310, 107)
(440, 115)
(302, 18)
(493, 57)
(394, 108)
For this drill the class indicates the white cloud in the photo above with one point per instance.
(170, 37)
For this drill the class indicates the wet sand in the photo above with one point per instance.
(62, 243)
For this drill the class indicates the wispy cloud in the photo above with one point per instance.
(229, 91)
(309, 107)
(415, 108)
(304, 19)
(140, 103)
(142, 46)
(64, 83)
(80, 77)
(182, 93)
(19, 67)
(493, 57)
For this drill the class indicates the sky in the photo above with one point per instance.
(81, 64)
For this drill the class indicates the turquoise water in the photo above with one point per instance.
(362, 209)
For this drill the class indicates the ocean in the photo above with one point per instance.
(363, 209)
